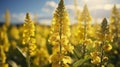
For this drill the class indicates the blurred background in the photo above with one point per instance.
(45, 9)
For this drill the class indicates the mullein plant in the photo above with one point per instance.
(4, 47)
(114, 27)
(115, 23)
(59, 37)
(84, 29)
(102, 45)
(7, 20)
(3, 57)
(29, 38)
(4, 41)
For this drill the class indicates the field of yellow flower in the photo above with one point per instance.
(61, 44)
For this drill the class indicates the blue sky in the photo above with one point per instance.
(45, 9)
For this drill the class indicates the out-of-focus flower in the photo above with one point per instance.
(29, 35)
(2, 54)
(57, 59)
(96, 60)
(7, 18)
(105, 59)
(115, 52)
(94, 54)
(95, 57)
(107, 47)
(87, 41)
(14, 32)
(4, 40)
(97, 44)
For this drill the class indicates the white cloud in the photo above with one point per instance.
(104, 7)
(100, 4)
(98, 20)
(19, 17)
(49, 6)
(15, 18)
(93, 5)
(51, 3)
(45, 21)
(96, 1)
(72, 7)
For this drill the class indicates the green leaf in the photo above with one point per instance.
(81, 61)
(17, 56)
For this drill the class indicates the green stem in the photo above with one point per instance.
(116, 29)
(60, 33)
(28, 55)
(102, 53)
(85, 36)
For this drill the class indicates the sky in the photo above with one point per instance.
(44, 9)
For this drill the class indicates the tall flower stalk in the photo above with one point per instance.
(4, 40)
(115, 23)
(102, 45)
(7, 18)
(84, 28)
(59, 37)
(29, 38)
(4, 47)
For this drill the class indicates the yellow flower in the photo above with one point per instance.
(96, 60)
(25, 40)
(69, 48)
(95, 57)
(64, 40)
(32, 40)
(43, 54)
(115, 52)
(105, 59)
(14, 32)
(14, 44)
(57, 59)
(54, 39)
(2, 54)
(103, 66)
(4, 40)
(107, 47)
(94, 54)
(97, 44)
(36, 61)
(56, 65)
(67, 59)
(6, 47)
(29, 29)
(5, 65)
(32, 49)
(88, 42)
